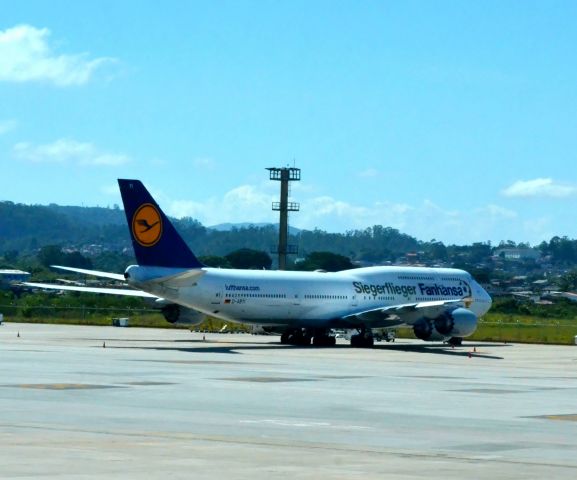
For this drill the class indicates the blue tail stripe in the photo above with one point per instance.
(158, 243)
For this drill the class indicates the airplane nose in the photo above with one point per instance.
(485, 300)
(488, 298)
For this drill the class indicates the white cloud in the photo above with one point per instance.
(368, 173)
(243, 203)
(540, 228)
(424, 220)
(7, 126)
(496, 212)
(204, 163)
(110, 190)
(539, 187)
(66, 151)
(25, 56)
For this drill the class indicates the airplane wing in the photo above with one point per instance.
(96, 273)
(406, 313)
(109, 291)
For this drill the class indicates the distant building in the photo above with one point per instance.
(412, 258)
(8, 276)
(518, 254)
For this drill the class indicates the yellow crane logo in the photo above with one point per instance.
(147, 225)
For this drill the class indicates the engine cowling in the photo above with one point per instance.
(459, 322)
(177, 314)
(425, 330)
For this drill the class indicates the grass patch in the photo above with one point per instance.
(525, 333)
(500, 327)
(103, 317)
(494, 326)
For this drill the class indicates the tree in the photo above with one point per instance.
(563, 250)
(331, 262)
(53, 255)
(112, 261)
(11, 255)
(50, 255)
(215, 261)
(568, 282)
(436, 250)
(246, 258)
(482, 275)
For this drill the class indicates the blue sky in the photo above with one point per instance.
(450, 120)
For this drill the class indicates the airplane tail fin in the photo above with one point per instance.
(154, 239)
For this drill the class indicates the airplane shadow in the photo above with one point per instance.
(236, 348)
(442, 349)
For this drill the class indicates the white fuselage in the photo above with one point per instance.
(316, 299)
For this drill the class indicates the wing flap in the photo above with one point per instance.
(407, 313)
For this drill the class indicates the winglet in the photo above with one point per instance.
(154, 239)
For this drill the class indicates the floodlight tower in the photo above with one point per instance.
(284, 176)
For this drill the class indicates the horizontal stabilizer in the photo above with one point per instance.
(139, 275)
(110, 291)
(96, 273)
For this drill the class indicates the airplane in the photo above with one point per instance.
(439, 304)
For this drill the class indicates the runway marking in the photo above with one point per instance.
(491, 447)
(200, 362)
(25, 350)
(297, 424)
(571, 417)
(293, 379)
(267, 379)
(61, 386)
(147, 383)
(488, 390)
(284, 444)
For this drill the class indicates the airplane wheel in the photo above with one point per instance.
(304, 340)
(324, 341)
(360, 341)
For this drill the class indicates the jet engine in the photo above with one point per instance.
(174, 313)
(459, 322)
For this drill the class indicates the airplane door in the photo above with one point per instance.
(293, 303)
(217, 298)
(354, 300)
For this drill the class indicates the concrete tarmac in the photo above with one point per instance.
(160, 404)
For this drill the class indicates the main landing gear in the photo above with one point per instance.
(364, 339)
(322, 338)
(303, 337)
(297, 336)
